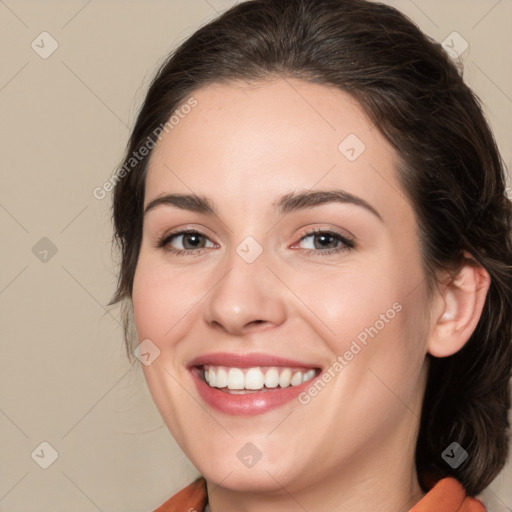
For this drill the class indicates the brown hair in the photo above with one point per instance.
(450, 169)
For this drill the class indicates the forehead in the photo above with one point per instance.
(252, 142)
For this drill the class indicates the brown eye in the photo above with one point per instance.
(192, 240)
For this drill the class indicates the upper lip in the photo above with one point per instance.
(247, 360)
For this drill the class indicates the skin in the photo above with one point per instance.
(352, 446)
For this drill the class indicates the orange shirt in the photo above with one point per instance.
(447, 495)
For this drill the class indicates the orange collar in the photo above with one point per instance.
(448, 495)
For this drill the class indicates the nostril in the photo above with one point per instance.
(255, 322)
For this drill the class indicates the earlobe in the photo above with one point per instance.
(462, 299)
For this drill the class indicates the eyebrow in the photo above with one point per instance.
(292, 201)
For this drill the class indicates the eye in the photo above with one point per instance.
(323, 242)
(191, 240)
(327, 242)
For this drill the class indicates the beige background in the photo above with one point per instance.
(64, 378)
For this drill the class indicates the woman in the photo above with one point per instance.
(316, 264)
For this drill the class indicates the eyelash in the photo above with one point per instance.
(347, 244)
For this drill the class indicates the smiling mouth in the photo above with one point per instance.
(234, 380)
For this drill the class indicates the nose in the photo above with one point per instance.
(247, 298)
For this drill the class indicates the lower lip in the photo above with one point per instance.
(248, 404)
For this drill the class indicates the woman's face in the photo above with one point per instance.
(256, 287)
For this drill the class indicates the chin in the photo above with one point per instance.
(262, 479)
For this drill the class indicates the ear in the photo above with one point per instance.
(458, 309)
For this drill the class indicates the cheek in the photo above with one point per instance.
(160, 298)
(167, 300)
(373, 317)
(349, 302)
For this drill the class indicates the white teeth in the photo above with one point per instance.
(211, 377)
(237, 379)
(296, 379)
(254, 379)
(272, 378)
(308, 375)
(221, 380)
(284, 378)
